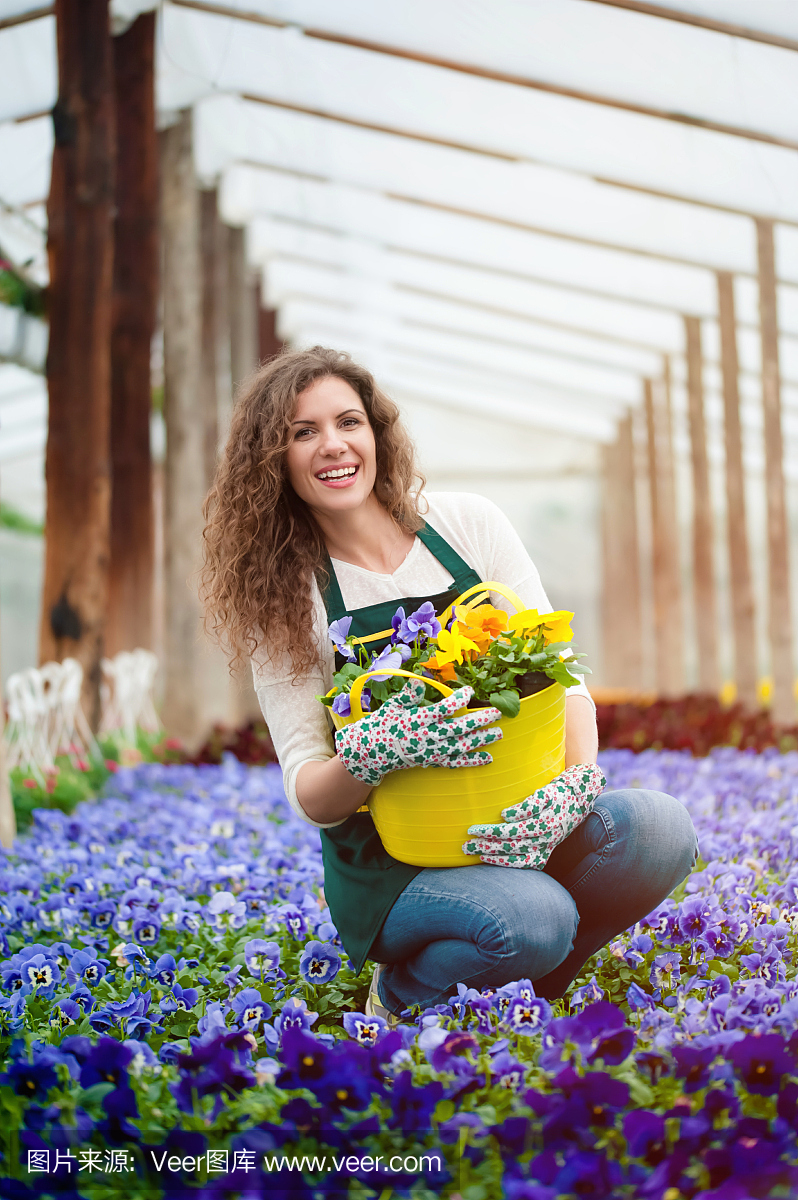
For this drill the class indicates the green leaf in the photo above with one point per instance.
(508, 703)
(96, 1092)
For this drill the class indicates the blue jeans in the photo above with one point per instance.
(487, 925)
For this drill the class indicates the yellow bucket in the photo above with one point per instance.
(422, 814)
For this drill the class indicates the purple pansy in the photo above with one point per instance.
(338, 632)
(422, 623)
(392, 658)
(320, 963)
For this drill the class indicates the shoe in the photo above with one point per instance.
(375, 1006)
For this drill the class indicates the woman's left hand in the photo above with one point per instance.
(532, 828)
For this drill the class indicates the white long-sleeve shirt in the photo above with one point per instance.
(479, 532)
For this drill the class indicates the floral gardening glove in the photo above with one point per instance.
(404, 734)
(536, 825)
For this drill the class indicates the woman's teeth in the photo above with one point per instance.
(342, 473)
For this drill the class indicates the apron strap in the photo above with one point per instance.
(331, 594)
(447, 556)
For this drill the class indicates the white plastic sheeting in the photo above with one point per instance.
(523, 246)
(475, 222)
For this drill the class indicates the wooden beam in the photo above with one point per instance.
(80, 251)
(779, 607)
(463, 68)
(33, 14)
(185, 443)
(666, 568)
(700, 22)
(502, 273)
(136, 270)
(526, 81)
(243, 310)
(740, 583)
(621, 609)
(704, 598)
(493, 219)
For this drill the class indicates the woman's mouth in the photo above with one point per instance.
(338, 477)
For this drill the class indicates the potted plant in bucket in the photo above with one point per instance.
(521, 663)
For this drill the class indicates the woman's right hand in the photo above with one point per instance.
(404, 734)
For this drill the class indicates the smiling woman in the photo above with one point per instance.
(264, 547)
(315, 525)
(332, 465)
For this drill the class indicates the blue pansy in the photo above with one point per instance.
(294, 1015)
(261, 957)
(422, 623)
(363, 1029)
(146, 930)
(164, 970)
(392, 658)
(86, 967)
(528, 1016)
(250, 1007)
(179, 998)
(338, 632)
(41, 973)
(319, 963)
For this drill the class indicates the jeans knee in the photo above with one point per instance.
(658, 829)
(542, 939)
(675, 827)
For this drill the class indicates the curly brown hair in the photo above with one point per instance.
(262, 547)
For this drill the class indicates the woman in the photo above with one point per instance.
(314, 515)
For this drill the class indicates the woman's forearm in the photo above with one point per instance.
(327, 792)
(581, 734)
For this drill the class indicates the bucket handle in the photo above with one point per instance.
(482, 588)
(357, 687)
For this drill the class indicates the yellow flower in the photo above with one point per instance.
(452, 645)
(557, 627)
(483, 624)
(526, 622)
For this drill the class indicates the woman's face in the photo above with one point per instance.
(331, 457)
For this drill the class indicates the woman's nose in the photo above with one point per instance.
(332, 441)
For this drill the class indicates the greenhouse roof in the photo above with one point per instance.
(512, 199)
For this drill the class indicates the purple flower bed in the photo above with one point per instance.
(172, 991)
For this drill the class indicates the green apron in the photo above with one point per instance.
(361, 879)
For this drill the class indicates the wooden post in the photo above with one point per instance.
(621, 600)
(742, 591)
(704, 598)
(666, 572)
(136, 271)
(269, 344)
(215, 682)
(213, 266)
(244, 304)
(80, 251)
(185, 443)
(243, 310)
(8, 818)
(779, 607)
(224, 375)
